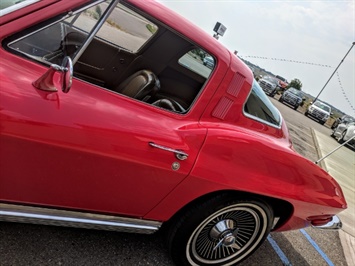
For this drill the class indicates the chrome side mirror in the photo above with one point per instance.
(67, 74)
(46, 81)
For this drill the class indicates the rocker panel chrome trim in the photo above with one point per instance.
(46, 216)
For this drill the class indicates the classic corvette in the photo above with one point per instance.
(110, 120)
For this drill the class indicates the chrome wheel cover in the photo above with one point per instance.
(228, 235)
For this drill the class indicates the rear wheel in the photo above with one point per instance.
(221, 231)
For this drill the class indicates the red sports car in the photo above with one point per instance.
(110, 120)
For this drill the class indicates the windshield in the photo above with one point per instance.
(271, 79)
(322, 106)
(296, 92)
(281, 78)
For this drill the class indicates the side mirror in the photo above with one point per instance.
(46, 81)
(67, 74)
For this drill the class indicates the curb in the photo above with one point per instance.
(318, 150)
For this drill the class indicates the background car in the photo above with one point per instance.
(345, 119)
(269, 85)
(208, 61)
(282, 83)
(292, 97)
(344, 132)
(319, 111)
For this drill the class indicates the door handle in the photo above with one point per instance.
(178, 154)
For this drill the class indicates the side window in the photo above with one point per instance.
(66, 37)
(53, 43)
(127, 29)
(114, 58)
(198, 61)
(259, 107)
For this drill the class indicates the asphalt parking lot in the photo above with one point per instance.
(22, 244)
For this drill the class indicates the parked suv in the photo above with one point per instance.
(292, 97)
(320, 111)
(269, 85)
(345, 119)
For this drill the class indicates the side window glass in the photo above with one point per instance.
(259, 107)
(198, 61)
(127, 29)
(64, 38)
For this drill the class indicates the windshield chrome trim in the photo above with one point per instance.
(16, 7)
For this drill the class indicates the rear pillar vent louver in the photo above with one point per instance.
(225, 103)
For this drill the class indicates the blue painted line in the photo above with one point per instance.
(278, 251)
(314, 244)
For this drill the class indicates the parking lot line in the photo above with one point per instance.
(319, 250)
(278, 251)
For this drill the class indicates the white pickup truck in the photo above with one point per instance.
(320, 111)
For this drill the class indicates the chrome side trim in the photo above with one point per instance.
(334, 224)
(46, 216)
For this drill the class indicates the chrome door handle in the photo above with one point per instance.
(179, 154)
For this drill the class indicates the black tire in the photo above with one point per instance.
(295, 107)
(334, 125)
(281, 100)
(194, 235)
(322, 122)
(341, 139)
(306, 113)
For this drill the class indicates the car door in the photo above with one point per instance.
(87, 149)
(90, 149)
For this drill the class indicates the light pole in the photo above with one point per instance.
(333, 73)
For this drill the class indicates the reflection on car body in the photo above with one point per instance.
(139, 133)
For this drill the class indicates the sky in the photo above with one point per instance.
(312, 37)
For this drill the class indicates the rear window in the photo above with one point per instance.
(259, 107)
(198, 61)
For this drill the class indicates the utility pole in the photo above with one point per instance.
(334, 72)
